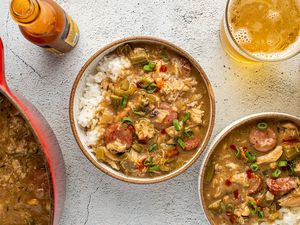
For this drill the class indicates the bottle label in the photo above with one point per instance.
(72, 33)
(70, 36)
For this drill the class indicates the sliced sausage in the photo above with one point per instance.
(281, 186)
(263, 141)
(255, 185)
(171, 152)
(191, 144)
(168, 113)
(169, 118)
(121, 132)
(164, 105)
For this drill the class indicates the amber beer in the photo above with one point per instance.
(261, 30)
(46, 24)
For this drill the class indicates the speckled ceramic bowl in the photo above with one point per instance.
(223, 134)
(77, 91)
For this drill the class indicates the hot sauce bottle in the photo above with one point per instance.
(46, 24)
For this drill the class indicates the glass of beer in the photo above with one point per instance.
(261, 30)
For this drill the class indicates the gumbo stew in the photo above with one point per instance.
(252, 176)
(151, 110)
(24, 186)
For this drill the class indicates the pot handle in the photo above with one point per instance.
(2, 68)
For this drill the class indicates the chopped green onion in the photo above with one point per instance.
(186, 117)
(176, 124)
(149, 67)
(188, 132)
(149, 162)
(251, 157)
(282, 163)
(152, 148)
(154, 168)
(124, 101)
(262, 126)
(276, 173)
(140, 113)
(238, 152)
(151, 88)
(252, 206)
(152, 64)
(260, 214)
(254, 167)
(126, 120)
(180, 143)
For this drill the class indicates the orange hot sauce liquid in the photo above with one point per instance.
(45, 23)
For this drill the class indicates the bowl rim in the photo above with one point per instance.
(209, 89)
(237, 123)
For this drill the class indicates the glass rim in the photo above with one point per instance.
(247, 53)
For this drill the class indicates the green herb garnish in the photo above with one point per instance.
(276, 173)
(254, 167)
(176, 124)
(124, 101)
(282, 163)
(126, 120)
(151, 88)
(251, 157)
(262, 126)
(154, 168)
(188, 132)
(180, 142)
(149, 67)
(152, 148)
(186, 117)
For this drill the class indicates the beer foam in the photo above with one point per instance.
(242, 36)
(292, 49)
(273, 15)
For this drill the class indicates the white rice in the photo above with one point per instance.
(112, 65)
(89, 102)
(290, 216)
(92, 136)
(109, 66)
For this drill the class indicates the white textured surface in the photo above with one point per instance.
(92, 197)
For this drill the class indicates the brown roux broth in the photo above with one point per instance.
(154, 52)
(24, 185)
(222, 187)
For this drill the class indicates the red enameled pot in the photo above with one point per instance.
(45, 137)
